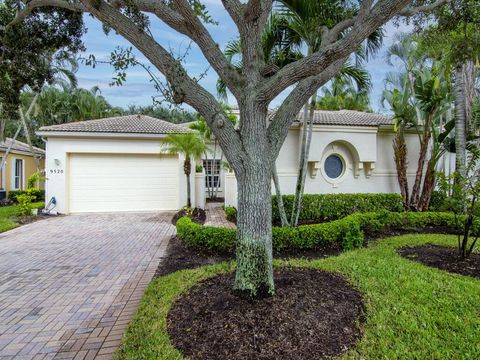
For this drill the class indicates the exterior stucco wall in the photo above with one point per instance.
(7, 174)
(57, 163)
(368, 161)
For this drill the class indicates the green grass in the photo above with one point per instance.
(7, 214)
(413, 312)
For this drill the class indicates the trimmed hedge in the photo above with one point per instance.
(328, 207)
(346, 233)
(37, 193)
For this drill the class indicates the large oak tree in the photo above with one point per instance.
(253, 147)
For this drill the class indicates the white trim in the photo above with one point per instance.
(343, 158)
(23, 175)
(12, 174)
(84, 134)
(346, 129)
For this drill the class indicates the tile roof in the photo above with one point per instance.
(348, 118)
(129, 124)
(19, 146)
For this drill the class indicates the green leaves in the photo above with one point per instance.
(29, 48)
(191, 144)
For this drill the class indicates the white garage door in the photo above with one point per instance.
(106, 182)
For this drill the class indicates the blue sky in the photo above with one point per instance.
(139, 91)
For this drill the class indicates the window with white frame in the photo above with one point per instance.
(18, 175)
(212, 173)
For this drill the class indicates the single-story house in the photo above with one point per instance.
(117, 164)
(113, 164)
(19, 164)
(351, 152)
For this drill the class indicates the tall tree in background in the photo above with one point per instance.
(28, 50)
(420, 105)
(305, 21)
(251, 149)
(455, 40)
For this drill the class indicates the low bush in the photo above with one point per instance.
(328, 207)
(38, 194)
(205, 237)
(231, 213)
(347, 233)
(25, 202)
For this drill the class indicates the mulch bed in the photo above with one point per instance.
(198, 215)
(178, 256)
(313, 315)
(444, 258)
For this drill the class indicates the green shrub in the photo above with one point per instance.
(205, 237)
(37, 193)
(346, 233)
(25, 202)
(438, 201)
(231, 213)
(328, 207)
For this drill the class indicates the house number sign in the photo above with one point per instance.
(56, 171)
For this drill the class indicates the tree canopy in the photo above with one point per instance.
(29, 47)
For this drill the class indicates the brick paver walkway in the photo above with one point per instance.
(70, 285)
(216, 215)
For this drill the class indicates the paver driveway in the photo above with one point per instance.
(70, 285)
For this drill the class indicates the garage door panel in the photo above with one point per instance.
(105, 182)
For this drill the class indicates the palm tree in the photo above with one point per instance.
(206, 133)
(191, 146)
(306, 18)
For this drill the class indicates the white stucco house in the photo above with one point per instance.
(117, 164)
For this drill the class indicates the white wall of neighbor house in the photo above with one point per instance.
(60, 149)
(366, 154)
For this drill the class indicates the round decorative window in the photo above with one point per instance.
(334, 166)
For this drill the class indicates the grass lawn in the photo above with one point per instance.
(8, 212)
(413, 312)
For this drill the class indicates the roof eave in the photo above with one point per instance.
(84, 134)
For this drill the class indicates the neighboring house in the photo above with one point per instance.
(117, 164)
(19, 165)
(113, 164)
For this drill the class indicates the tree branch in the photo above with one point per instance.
(195, 30)
(360, 27)
(411, 11)
(291, 106)
(235, 10)
(35, 4)
(185, 88)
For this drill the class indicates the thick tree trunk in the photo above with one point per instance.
(280, 205)
(254, 274)
(460, 123)
(254, 228)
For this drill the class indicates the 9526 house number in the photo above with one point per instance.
(56, 171)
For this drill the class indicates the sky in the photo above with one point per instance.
(138, 89)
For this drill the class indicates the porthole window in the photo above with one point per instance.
(334, 166)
